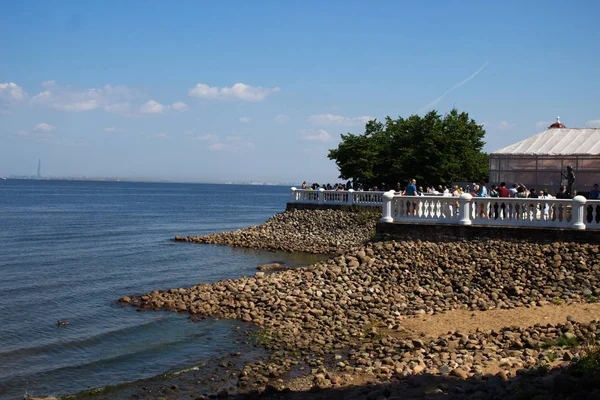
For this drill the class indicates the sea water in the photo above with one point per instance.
(69, 250)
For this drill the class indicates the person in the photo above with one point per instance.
(455, 191)
(594, 194)
(503, 192)
(513, 190)
(562, 193)
(304, 185)
(494, 193)
(546, 207)
(532, 194)
(411, 189)
(520, 208)
(482, 191)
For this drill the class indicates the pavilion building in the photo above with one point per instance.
(539, 161)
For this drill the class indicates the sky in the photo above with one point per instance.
(216, 91)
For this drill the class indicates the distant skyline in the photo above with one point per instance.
(238, 91)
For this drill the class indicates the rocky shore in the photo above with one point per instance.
(308, 231)
(335, 322)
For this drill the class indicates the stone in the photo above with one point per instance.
(461, 373)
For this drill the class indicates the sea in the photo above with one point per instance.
(70, 249)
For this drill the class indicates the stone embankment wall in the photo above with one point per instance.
(445, 233)
(340, 207)
(309, 231)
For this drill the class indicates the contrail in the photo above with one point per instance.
(452, 89)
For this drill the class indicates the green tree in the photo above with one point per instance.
(432, 149)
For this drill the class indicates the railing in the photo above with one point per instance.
(577, 213)
(349, 197)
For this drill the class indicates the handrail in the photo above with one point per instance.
(576, 213)
(341, 197)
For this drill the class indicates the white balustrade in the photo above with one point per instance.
(577, 213)
(425, 209)
(592, 214)
(345, 197)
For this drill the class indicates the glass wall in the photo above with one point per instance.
(545, 171)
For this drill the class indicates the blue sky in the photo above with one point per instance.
(239, 90)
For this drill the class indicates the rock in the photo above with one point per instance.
(355, 302)
(461, 373)
(271, 267)
(125, 299)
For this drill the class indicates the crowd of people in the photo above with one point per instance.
(476, 190)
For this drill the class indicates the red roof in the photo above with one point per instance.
(557, 124)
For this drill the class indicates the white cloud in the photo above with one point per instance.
(44, 127)
(234, 143)
(594, 123)
(48, 84)
(504, 125)
(217, 146)
(281, 119)
(238, 91)
(161, 135)
(206, 138)
(110, 129)
(10, 91)
(80, 106)
(38, 135)
(179, 106)
(154, 107)
(119, 108)
(338, 120)
(319, 135)
(500, 126)
(244, 120)
(543, 125)
(70, 99)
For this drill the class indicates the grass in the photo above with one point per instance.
(562, 342)
(368, 331)
(263, 337)
(557, 301)
(591, 299)
(590, 360)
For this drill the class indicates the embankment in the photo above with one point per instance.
(351, 308)
(308, 231)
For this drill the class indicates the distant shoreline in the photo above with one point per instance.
(133, 180)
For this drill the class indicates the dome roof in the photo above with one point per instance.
(557, 124)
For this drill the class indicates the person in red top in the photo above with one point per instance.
(503, 192)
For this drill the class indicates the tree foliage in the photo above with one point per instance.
(432, 149)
